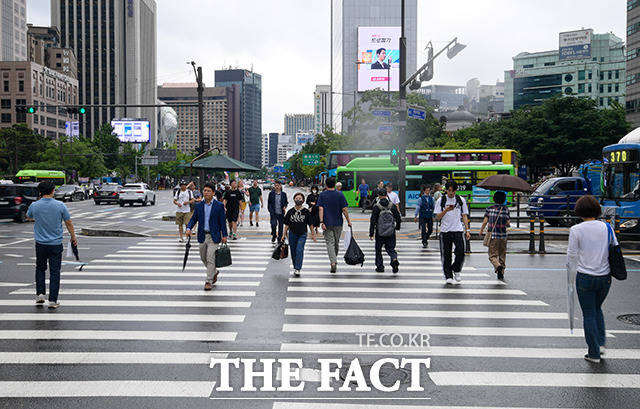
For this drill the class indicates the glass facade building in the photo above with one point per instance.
(539, 76)
(633, 63)
(346, 17)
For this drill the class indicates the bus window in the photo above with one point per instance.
(346, 178)
(464, 157)
(373, 177)
(451, 157)
(495, 157)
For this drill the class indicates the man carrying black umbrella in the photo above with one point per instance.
(212, 230)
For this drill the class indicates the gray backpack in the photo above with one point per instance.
(386, 221)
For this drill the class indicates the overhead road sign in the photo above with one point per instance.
(416, 113)
(310, 159)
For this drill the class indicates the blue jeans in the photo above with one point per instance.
(53, 255)
(592, 290)
(277, 220)
(296, 247)
(426, 228)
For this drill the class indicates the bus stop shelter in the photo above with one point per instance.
(218, 163)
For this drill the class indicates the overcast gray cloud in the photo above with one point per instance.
(287, 41)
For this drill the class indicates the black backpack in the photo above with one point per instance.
(386, 225)
(444, 202)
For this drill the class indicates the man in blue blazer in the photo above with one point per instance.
(277, 205)
(212, 230)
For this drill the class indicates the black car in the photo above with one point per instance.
(70, 193)
(16, 199)
(106, 194)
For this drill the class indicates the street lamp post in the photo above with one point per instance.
(198, 72)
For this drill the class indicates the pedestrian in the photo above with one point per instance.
(454, 226)
(212, 230)
(339, 186)
(385, 220)
(48, 215)
(219, 192)
(183, 199)
(363, 192)
(437, 191)
(312, 200)
(588, 261)
(296, 222)
(332, 206)
(243, 202)
(424, 214)
(255, 202)
(392, 196)
(197, 196)
(497, 219)
(277, 206)
(232, 199)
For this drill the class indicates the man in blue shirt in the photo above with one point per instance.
(363, 192)
(212, 230)
(424, 214)
(49, 214)
(332, 206)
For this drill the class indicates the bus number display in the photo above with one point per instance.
(619, 156)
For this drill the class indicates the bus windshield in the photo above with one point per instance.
(622, 181)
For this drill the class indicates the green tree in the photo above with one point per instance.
(108, 144)
(20, 145)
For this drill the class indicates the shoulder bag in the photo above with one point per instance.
(617, 268)
(487, 237)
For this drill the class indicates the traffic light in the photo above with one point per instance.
(395, 159)
(26, 109)
(76, 110)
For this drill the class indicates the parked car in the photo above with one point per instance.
(107, 193)
(15, 199)
(136, 193)
(556, 198)
(70, 193)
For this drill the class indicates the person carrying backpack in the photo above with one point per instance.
(183, 199)
(454, 221)
(385, 220)
(424, 214)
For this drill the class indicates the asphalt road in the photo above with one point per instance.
(133, 330)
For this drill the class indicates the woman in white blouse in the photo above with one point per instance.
(588, 259)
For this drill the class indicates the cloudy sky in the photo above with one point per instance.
(287, 41)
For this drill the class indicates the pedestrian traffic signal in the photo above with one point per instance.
(394, 156)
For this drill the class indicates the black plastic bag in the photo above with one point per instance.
(354, 255)
(281, 251)
(617, 268)
(223, 256)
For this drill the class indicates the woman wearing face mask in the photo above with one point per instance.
(312, 199)
(295, 223)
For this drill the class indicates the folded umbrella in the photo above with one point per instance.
(570, 298)
(186, 252)
(74, 248)
(507, 183)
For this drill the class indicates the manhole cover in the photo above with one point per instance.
(388, 374)
(630, 318)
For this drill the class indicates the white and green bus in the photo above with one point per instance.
(37, 176)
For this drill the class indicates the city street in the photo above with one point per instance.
(133, 329)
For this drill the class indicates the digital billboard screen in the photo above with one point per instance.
(129, 131)
(379, 58)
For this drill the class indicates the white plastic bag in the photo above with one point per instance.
(69, 251)
(347, 239)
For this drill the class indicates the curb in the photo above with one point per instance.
(110, 233)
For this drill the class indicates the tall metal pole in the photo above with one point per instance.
(402, 145)
(200, 110)
(389, 82)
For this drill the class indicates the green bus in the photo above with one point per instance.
(466, 174)
(37, 176)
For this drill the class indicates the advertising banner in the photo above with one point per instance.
(575, 44)
(379, 57)
(129, 131)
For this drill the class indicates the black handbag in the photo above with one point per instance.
(281, 251)
(617, 268)
(223, 256)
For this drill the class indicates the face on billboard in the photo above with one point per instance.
(131, 131)
(379, 57)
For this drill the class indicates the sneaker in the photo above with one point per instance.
(207, 286)
(234, 237)
(181, 241)
(394, 266)
(425, 245)
(296, 273)
(53, 305)
(457, 277)
(602, 350)
(380, 269)
(334, 267)
(257, 225)
(40, 299)
(592, 360)
(449, 281)
(273, 239)
(500, 272)
(250, 223)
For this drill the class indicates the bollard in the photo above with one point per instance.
(541, 249)
(617, 225)
(532, 235)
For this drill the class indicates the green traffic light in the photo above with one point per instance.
(82, 110)
(31, 110)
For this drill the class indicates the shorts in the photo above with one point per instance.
(232, 215)
(243, 205)
(183, 218)
(254, 208)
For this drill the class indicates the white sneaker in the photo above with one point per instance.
(449, 281)
(592, 360)
(53, 305)
(457, 277)
(296, 273)
(602, 350)
(181, 241)
(40, 299)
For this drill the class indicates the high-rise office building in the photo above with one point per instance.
(633, 63)
(115, 45)
(346, 17)
(265, 150)
(322, 108)
(294, 123)
(44, 49)
(216, 128)
(273, 148)
(13, 30)
(249, 88)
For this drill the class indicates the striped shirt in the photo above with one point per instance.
(498, 216)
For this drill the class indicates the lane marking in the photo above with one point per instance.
(426, 314)
(138, 303)
(176, 293)
(536, 379)
(155, 389)
(65, 358)
(406, 290)
(119, 335)
(413, 301)
(389, 279)
(154, 274)
(159, 282)
(121, 317)
(14, 242)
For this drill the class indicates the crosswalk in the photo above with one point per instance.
(115, 215)
(134, 324)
